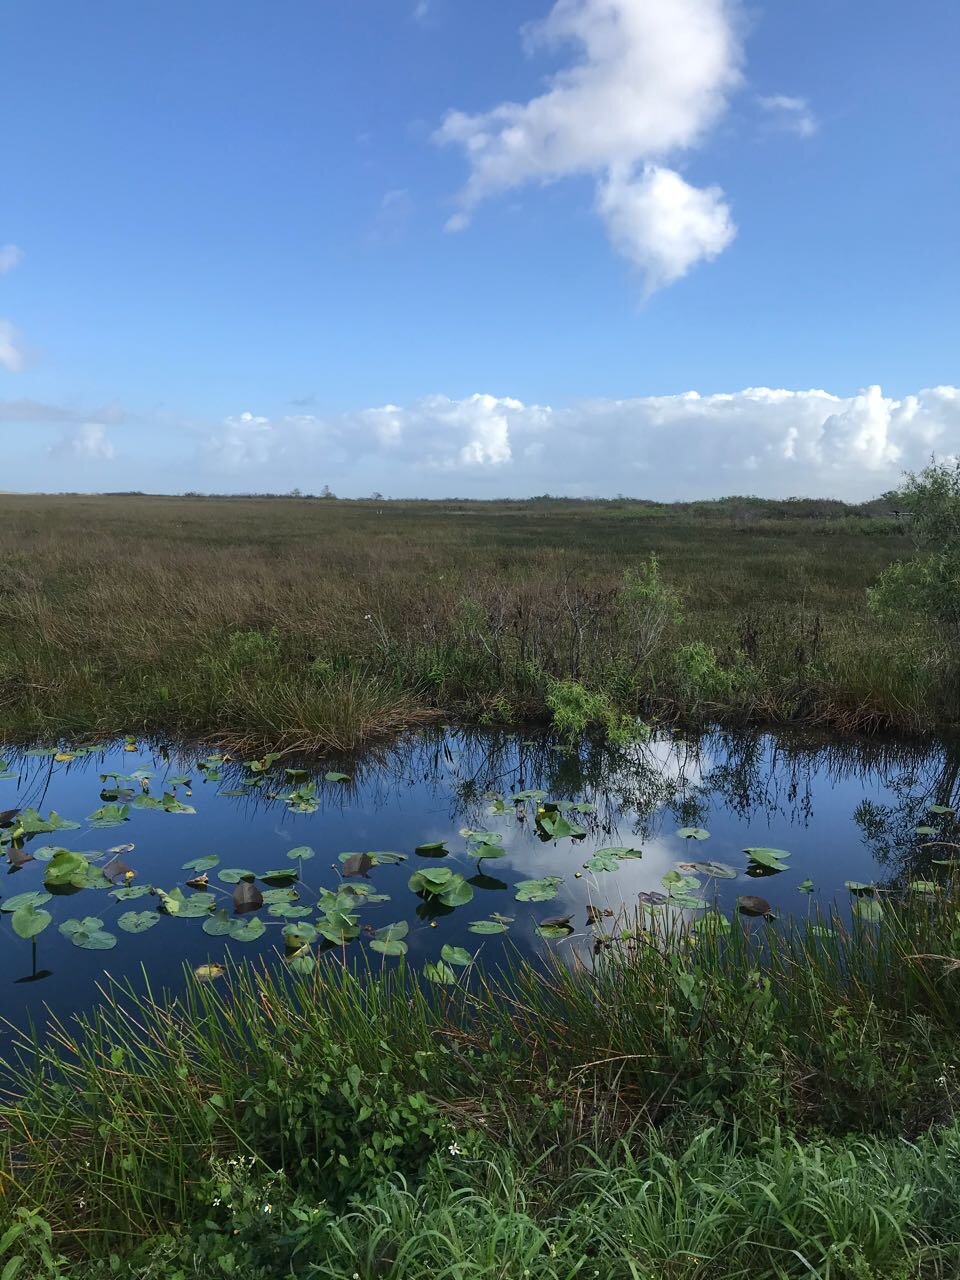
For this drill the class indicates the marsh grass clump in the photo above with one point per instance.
(793, 1087)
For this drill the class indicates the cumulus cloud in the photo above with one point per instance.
(792, 114)
(11, 353)
(88, 442)
(10, 256)
(759, 440)
(652, 78)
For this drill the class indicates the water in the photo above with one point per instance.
(844, 812)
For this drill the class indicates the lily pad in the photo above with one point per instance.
(772, 859)
(432, 849)
(246, 930)
(693, 833)
(204, 863)
(439, 972)
(28, 920)
(34, 899)
(333, 776)
(487, 927)
(543, 890)
(389, 941)
(233, 875)
(88, 934)
(456, 955)
(302, 853)
(602, 860)
(868, 909)
(138, 921)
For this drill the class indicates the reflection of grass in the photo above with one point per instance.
(325, 623)
(714, 1104)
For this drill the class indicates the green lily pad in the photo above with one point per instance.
(138, 921)
(456, 955)
(486, 927)
(439, 972)
(772, 859)
(543, 890)
(204, 863)
(28, 920)
(88, 934)
(693, 833)
(36, 898)
(389, 941)
(602, 860)
(233, 875)
(246, 929)
(301, 853)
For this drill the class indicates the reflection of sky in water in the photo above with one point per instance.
(843, 814)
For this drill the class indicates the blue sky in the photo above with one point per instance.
(250, 245)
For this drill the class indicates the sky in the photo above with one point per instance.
(478, 248)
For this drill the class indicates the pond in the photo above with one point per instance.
(446, 847)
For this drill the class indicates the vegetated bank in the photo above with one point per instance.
(729, 1099)
(318, 623)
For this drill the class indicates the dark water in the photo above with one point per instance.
(843, 813)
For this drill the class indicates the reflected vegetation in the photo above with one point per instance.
(443, 846)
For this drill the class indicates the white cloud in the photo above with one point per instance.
(793, 114)
(759, 440)
(653, 77)
(662, 224)
(86, 443)
(11, 355)
(421, 10)
(10, 256)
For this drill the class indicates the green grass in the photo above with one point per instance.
(325, 624)
(708, 1103)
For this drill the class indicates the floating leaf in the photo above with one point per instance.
(858, 886)
(209, 972)
(170, 804)
(301, 853)
(379, 858)
(712, 922)
(336, 777)
(456, 955)
(218, 925)
(693, 833)
(538, 890)
(806, 886)
(557, 827)
(389, 941)
(433, 849)
(486, 849)
(280, 895)
(941, 810)
(138, 921)
(868, 909)
(439, 972)
(923, 886)
(298, 935)
(772, 859)
(34, 899)
(110, 815)
(521, 796)
(555, 927)
(28, 920)
(279, 876)
(246, 930)
(31, 823)
(232, 875)
(66, 869)
(486, 926)
(288, 911)
(204, 863)
(924, 831)
(130, 892)
(750, 905)
(602, 860)
(89, 934)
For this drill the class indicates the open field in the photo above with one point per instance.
(321, 623)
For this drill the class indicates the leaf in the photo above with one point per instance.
(602, 860)
(279, 876)
(358, 864)
(280, 895)
(218, 925)
(806, 886)
(868, 910)
(439, 972)
(204, 863)
(246, 930)
(379, 859)
(138, 921)
(209, 972)
(557, 827)
(942, 810)
(36, 898)
(772, 859)
(66, 869)
(715, 870)
(486, 849)
(171, 804)
(302, 961)
(858, 886)
(521, 796)
(433, 849)
(298, 935)
(538, 890)
(89, 934)
(233, 875)
(336, 777)
(287, 910)
(693, 833)
(129, 892)
(302, 853)
(924, 886)
(430, 880)
(457, 893)
(750, 905)
(455, 955)
(925, 831)
(246, 897)
(389, 941)
(486, 927)
(110, 815)
(27, 921)
(554, 928)
(713, 922)
(33, 824)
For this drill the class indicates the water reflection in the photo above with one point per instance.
(845, 811)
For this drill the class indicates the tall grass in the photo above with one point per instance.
(154, 1115)
(329, 623)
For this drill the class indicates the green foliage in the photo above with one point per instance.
(927, 587)
(575, 710)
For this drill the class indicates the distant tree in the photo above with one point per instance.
(928, 585)
(327, 492)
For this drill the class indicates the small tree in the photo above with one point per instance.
(928, 586)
